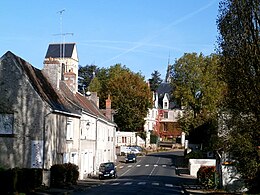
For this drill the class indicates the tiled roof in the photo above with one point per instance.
(56, 50)
(82, 102)
(41, 84)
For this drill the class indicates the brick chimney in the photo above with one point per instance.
(108, 108)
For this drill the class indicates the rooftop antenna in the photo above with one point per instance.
(61, 13)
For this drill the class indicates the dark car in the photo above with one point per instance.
(107, 169)
(130, 158)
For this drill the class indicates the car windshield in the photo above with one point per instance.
(131, 155)
(107, 166)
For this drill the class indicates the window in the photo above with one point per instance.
(165, 115)
(69, 130)
(6, 123)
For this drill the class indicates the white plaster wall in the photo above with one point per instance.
(195, 164)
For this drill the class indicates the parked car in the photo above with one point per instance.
(130, 158)
(107, 170)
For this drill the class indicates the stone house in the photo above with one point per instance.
(45, 121)
(33, 116)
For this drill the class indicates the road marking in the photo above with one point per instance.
(121, 167)
(169, 185)
(163, 165)
(114, 184)
(141, 183)
(155, 184)
(128, 183)
(129, 165)
(138, 165)
(147, 165)
(155, 165)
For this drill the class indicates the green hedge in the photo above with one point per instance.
(208, 177)
(20, 180)
(64, 174)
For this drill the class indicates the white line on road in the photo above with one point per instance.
(169, 185)
(141, 183)
(163, 165)
(128, 183)
(114, 184)
(138, 165)
(155, 184)
(147, 165)
(154, 167)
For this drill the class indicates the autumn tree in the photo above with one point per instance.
(155, 80)
(130, 96)
(239, 47)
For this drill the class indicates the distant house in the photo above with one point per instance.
(162, 119)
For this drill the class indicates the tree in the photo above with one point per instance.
(130, 96)
(86, 74)
(196, 83)
(239, 47)
(155, 81)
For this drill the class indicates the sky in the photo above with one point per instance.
(143, 35)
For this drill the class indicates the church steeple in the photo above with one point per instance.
(168, 73)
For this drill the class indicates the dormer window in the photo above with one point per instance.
(165, 105)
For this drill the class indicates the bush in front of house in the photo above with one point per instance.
(208, 177)
(20, 180)
(72, 173)
(194, 155)
(64, 174)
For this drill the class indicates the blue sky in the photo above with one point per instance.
(141, 34)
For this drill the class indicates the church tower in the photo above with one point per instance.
(61, 63)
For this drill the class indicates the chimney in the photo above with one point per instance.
(70, 80)
(108, 108)
(94, 97)
(52, 69)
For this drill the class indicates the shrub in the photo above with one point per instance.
(208, 177)
(72, 173)
(64, 174)
(194, 155)
(20, 180)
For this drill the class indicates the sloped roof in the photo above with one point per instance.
(166, 88)
(41, 84)
(56, 50)
(82, 102)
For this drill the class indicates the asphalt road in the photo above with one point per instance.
(151, 174)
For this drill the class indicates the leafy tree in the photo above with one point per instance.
(239, 46)
(130, 96)
(86, 73)
(197, 84)
(131, 99)
(155, 81)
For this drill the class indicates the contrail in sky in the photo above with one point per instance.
(156, 34)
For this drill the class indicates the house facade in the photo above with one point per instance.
(45, 121)
(33, 117)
